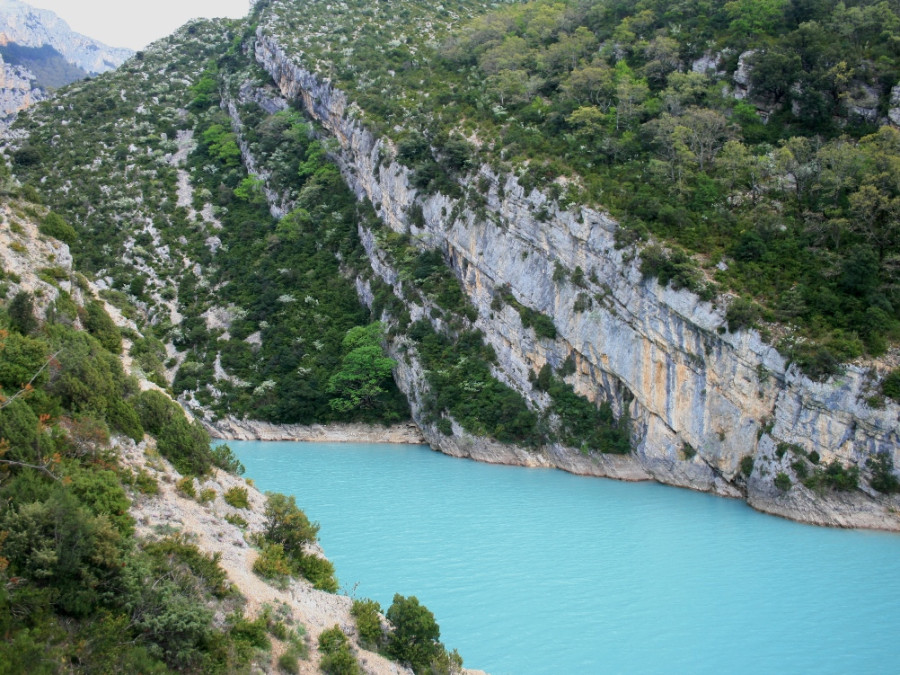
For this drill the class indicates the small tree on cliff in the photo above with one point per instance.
(364, 369)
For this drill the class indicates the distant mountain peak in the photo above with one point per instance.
(32, 27)
(39, 52)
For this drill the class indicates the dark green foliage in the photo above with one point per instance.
(123, 417)
(783, 481)
(800, 468)
(286, 534)
(747, 465)
(224, 458)
(19, 426)
(368, 623)
(90, 378)
(834, 476)
(179, 550)
(585, 426)
(337, 659)
(883, 478)
(364, 370)
(670, 267)
(21, 359)
(890, 386)
(99, 324)
(287, 525)
(73, 552)
(461, 384)
(184, 443)
(21, 313)
(415, 638)
(318, 571)
(741, 314)
(53, 225)
(237, 497)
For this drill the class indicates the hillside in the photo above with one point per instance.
(595, 237)
(127, 542)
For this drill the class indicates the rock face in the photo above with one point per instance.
(700, 399)
(31, 27)
(17, 90)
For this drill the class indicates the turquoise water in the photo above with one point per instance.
(537, 571)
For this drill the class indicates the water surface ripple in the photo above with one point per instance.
(538, 571)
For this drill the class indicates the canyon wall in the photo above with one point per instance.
(700, 399)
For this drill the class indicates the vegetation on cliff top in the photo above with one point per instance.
(744, 133)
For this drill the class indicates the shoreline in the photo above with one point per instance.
(230, 429)
(838, 510)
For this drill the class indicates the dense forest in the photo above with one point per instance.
(749, 139)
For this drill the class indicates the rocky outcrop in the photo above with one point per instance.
(701, 399)
(32, 27)
(17, 90)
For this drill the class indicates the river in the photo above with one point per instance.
(533, 571)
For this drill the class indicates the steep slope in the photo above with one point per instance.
(712, 409)
(526, 325)
(126, 550)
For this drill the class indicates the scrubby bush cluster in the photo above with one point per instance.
(411, 636)
(78, 591)
(287, 535)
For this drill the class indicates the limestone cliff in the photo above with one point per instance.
(17, 89)
(701, 399)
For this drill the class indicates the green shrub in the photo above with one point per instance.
(318, 571)
(800, 468)
(287, 525)
(237, 497)
(415, 638)
(206, 495)
(99, 324)
(205, 567)
(145, 483)
(747, 465)
(186, 487)
(337, 659)
(890, 386)
(834, 476)
(235, 519)
(21, 313)
(225, 459)
(368, 623)
(288, 662)
(123, 417)
(272, 563)
(782, 481)
(883, 478)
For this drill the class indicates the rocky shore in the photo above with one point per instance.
(231, 429)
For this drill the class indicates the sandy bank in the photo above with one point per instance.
(231, 429)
